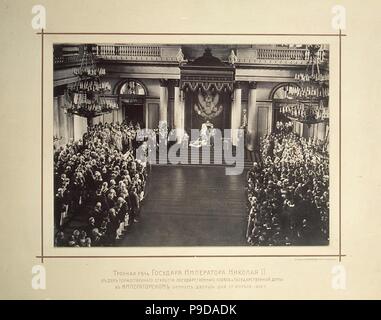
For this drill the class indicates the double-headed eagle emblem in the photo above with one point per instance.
(207, 105)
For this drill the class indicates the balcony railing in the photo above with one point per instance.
(278, 56)
(281, 54)
(128, 51)
(67, 60)
(156, 53)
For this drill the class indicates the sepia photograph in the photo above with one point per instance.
(204, 150)
(166, 145)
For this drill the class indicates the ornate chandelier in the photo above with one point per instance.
(308, 98)
(86, 97)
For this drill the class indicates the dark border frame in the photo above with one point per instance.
(41, 256)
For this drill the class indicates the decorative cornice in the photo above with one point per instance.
(221, 80)
(59, 90)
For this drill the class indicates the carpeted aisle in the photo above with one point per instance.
(191, 206)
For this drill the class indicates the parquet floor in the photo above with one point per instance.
(191, 206)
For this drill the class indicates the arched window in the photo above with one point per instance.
(279, 95)
(280, 92)
(132, 87)
(131, 96)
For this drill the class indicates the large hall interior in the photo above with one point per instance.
(274, 99)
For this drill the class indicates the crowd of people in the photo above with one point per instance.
(288, 191)
(99, 180)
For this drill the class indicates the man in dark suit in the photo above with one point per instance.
(60, 207)
(109, 201)
(135, 206)
(96, 213)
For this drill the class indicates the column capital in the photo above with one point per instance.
(59, 90)
(163, 82)
(176, 82)
(237, 85)
(253, 84)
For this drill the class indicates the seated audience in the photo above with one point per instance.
(288, 199)
(98, 180)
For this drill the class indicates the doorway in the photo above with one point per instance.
(131, 95)
(277, 115)
(280, 97)
(134, 113)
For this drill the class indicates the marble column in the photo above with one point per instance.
(163, 100)
(315, 128)
(298, 128)
(63, 120)
(79, 127)
(236, 112)
(182, 104)
(178, 107)
(56, 125)
(252, 117)
(321, 131)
